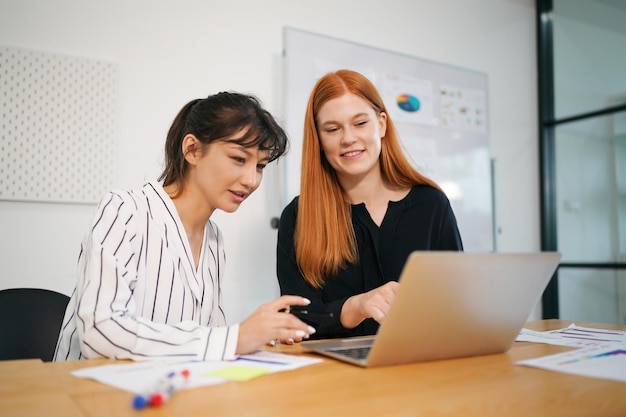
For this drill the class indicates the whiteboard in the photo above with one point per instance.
(440, 111)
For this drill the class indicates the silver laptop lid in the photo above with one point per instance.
(456, 304)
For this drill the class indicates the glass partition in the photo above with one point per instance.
(582, 116)
(591, 190)
(589, 55)
(591, 217)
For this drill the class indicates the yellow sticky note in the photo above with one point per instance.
(239, 373)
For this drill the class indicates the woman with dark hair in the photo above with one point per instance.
(151, 265)
(362, 209)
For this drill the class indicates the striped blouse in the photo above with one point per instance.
(138, 294)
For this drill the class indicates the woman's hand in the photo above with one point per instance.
(268, 324)
(372, 304)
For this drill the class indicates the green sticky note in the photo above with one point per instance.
(239, 373)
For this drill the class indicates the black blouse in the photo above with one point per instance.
(423, 220)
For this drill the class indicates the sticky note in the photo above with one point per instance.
(239, 373)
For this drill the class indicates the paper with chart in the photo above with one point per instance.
(140, 377)
(600, 353)
(607, 362)
(573, 335)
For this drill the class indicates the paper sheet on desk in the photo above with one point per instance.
(140, 377)
(575, 336)
(607, 362)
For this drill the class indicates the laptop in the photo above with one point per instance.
(451, 305)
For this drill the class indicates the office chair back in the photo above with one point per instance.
(30, 321)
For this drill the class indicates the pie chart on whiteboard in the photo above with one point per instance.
(408, 102)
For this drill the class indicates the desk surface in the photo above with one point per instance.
(478, 386)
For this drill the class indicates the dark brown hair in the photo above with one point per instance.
(220, 117)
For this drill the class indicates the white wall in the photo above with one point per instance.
(169, 52)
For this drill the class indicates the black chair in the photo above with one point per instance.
(30, 321)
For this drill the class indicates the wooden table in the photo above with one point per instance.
(479, 386)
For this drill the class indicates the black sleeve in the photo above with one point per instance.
(449, 235)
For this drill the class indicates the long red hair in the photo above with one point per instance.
(324, 236)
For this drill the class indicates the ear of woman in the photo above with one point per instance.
(192, 148)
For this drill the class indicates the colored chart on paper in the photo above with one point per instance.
(408, 102)
(604, 361)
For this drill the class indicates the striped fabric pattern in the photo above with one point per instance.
(138, 295)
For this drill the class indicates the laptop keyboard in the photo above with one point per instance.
(353, 352)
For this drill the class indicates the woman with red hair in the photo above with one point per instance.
(362, 209)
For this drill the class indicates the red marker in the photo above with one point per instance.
(164, 389)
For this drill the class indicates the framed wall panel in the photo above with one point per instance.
(59, 122)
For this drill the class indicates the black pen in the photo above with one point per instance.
(303, 313)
